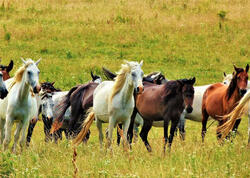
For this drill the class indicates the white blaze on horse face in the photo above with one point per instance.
(227, 79)
(32, 74)
(2, 84)
(98, 80)
(137, 76)
(47, 107)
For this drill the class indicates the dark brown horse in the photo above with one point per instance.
(6, 70)
(164, 102)
(219, 99)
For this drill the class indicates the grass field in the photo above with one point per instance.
(181, 38)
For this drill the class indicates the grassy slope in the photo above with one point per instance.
(179, 38)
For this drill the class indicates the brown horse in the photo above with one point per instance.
(219, 99)
(164, 102)
(6, 70)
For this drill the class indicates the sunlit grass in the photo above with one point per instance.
(182, 39)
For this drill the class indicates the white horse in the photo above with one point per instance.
(113, 102)
(20, 105)
(3, 89)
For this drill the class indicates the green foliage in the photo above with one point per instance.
(222, 15)
(6, 165)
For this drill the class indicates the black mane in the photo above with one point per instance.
(232, 86)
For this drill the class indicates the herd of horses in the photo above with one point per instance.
(127, 100)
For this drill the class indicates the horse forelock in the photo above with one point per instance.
(19, 73)
(120, 79)
(171, 88)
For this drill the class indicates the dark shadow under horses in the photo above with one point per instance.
(164, 102)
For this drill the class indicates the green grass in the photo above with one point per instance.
(182, 39)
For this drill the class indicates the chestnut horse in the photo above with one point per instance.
(219, 99)
(164, 102)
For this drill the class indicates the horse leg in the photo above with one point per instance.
(125, 132)
(166, 121)
(181, 125)
(144, 134)
(174, 123)
(47, 127)
(16, 136)
(131, 126)
(99, 127)
(236, 125)
(30, 132)
(112, 123)
(8, 126)
(2, 123)
(118, 135)
(23, 131)
(204, 123)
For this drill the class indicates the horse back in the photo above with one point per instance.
(150, 103)
(214, 99)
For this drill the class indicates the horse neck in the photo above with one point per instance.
(24, 89)
(127, 90)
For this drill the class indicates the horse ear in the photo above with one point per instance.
(92, 75)
(10, 66)
(23, 60)
(52, 83)
(247, 68)
(141, 62)
(37, 62)
(193, 80)
(236, 69)
(224, 74)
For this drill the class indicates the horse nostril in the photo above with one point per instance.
(243, 92)
(189, 109)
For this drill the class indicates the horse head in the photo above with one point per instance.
(241, 78)
(49, 87)
(6, 70)
(95, 78)
(32, 74)
(3, 89)
(137, 76)
(188, 93)
(47, 105)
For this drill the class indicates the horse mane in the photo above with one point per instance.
(171, 88)
(120, 79)
(19, 73)
(232, 86)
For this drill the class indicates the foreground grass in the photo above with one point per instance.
(182, 39)
(190, 158)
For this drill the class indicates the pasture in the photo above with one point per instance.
(181, 39)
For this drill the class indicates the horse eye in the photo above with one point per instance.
(29, 73)
(133, 74)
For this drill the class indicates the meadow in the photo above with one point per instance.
(180, 38)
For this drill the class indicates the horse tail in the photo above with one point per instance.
(62, 107)
(86, 125)
(238, 111)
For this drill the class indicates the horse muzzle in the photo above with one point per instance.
(3, 94)
(139, 89)
(242, 92)
(189, 109)
(37, 89)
